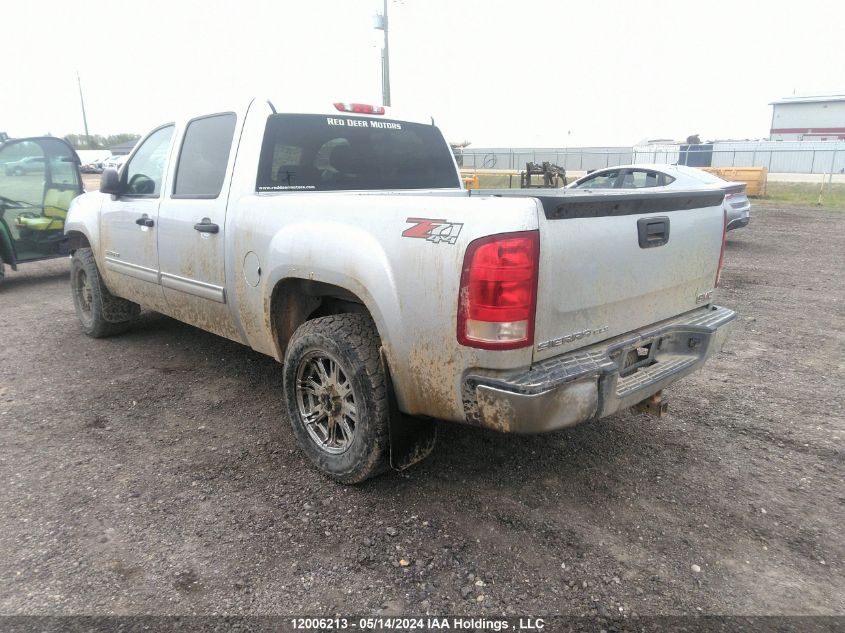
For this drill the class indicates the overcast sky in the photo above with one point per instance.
(493, 72)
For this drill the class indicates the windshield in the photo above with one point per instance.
(310, 152)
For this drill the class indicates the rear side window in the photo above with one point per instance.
(640, 179)
(309, 152)
(204, 157)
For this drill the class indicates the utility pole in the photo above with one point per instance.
(381, 24)
(84, 118)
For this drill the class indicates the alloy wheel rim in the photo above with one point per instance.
(84, 294)
(326, 402)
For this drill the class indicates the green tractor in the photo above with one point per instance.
(39, 177)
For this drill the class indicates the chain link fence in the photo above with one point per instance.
(778, 157)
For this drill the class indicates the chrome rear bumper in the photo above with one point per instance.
(599, 380)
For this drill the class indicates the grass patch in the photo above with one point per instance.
(489, 181)
(805, 193)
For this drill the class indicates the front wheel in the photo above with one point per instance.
(100, 312)
(336, 396)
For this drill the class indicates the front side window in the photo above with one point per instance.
(603, 180)
(204, 157)
(144, 173)
(310, 152)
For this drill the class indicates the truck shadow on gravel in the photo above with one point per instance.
(477, 455)
(229, 457)
(465, 453)
(738, 244)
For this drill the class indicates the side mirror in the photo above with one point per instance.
(110, 182)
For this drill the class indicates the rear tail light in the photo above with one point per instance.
(360, 108)
(724, 241)
(498, 295)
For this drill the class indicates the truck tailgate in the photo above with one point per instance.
(614, 262)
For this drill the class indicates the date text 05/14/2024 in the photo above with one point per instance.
(418, 623)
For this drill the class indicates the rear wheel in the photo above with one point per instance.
(100, 312)
(336, 396)
(2, 271)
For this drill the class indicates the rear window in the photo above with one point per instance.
(702, 176)
(309, 152)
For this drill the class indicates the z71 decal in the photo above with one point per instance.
(433, 230)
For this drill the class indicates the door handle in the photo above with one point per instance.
(206, 226)
(145, 220)
(653, 232)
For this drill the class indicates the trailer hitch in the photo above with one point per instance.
(654, 405)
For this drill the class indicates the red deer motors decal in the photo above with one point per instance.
(433, 230)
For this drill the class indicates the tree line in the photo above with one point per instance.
(98, 141)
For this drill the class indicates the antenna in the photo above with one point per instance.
(84, 118)
(381, 25)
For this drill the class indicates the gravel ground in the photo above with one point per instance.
(156, 473)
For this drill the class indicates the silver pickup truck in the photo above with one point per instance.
(338, 239)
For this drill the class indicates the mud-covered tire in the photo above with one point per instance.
(100, 313)
(353, 342)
